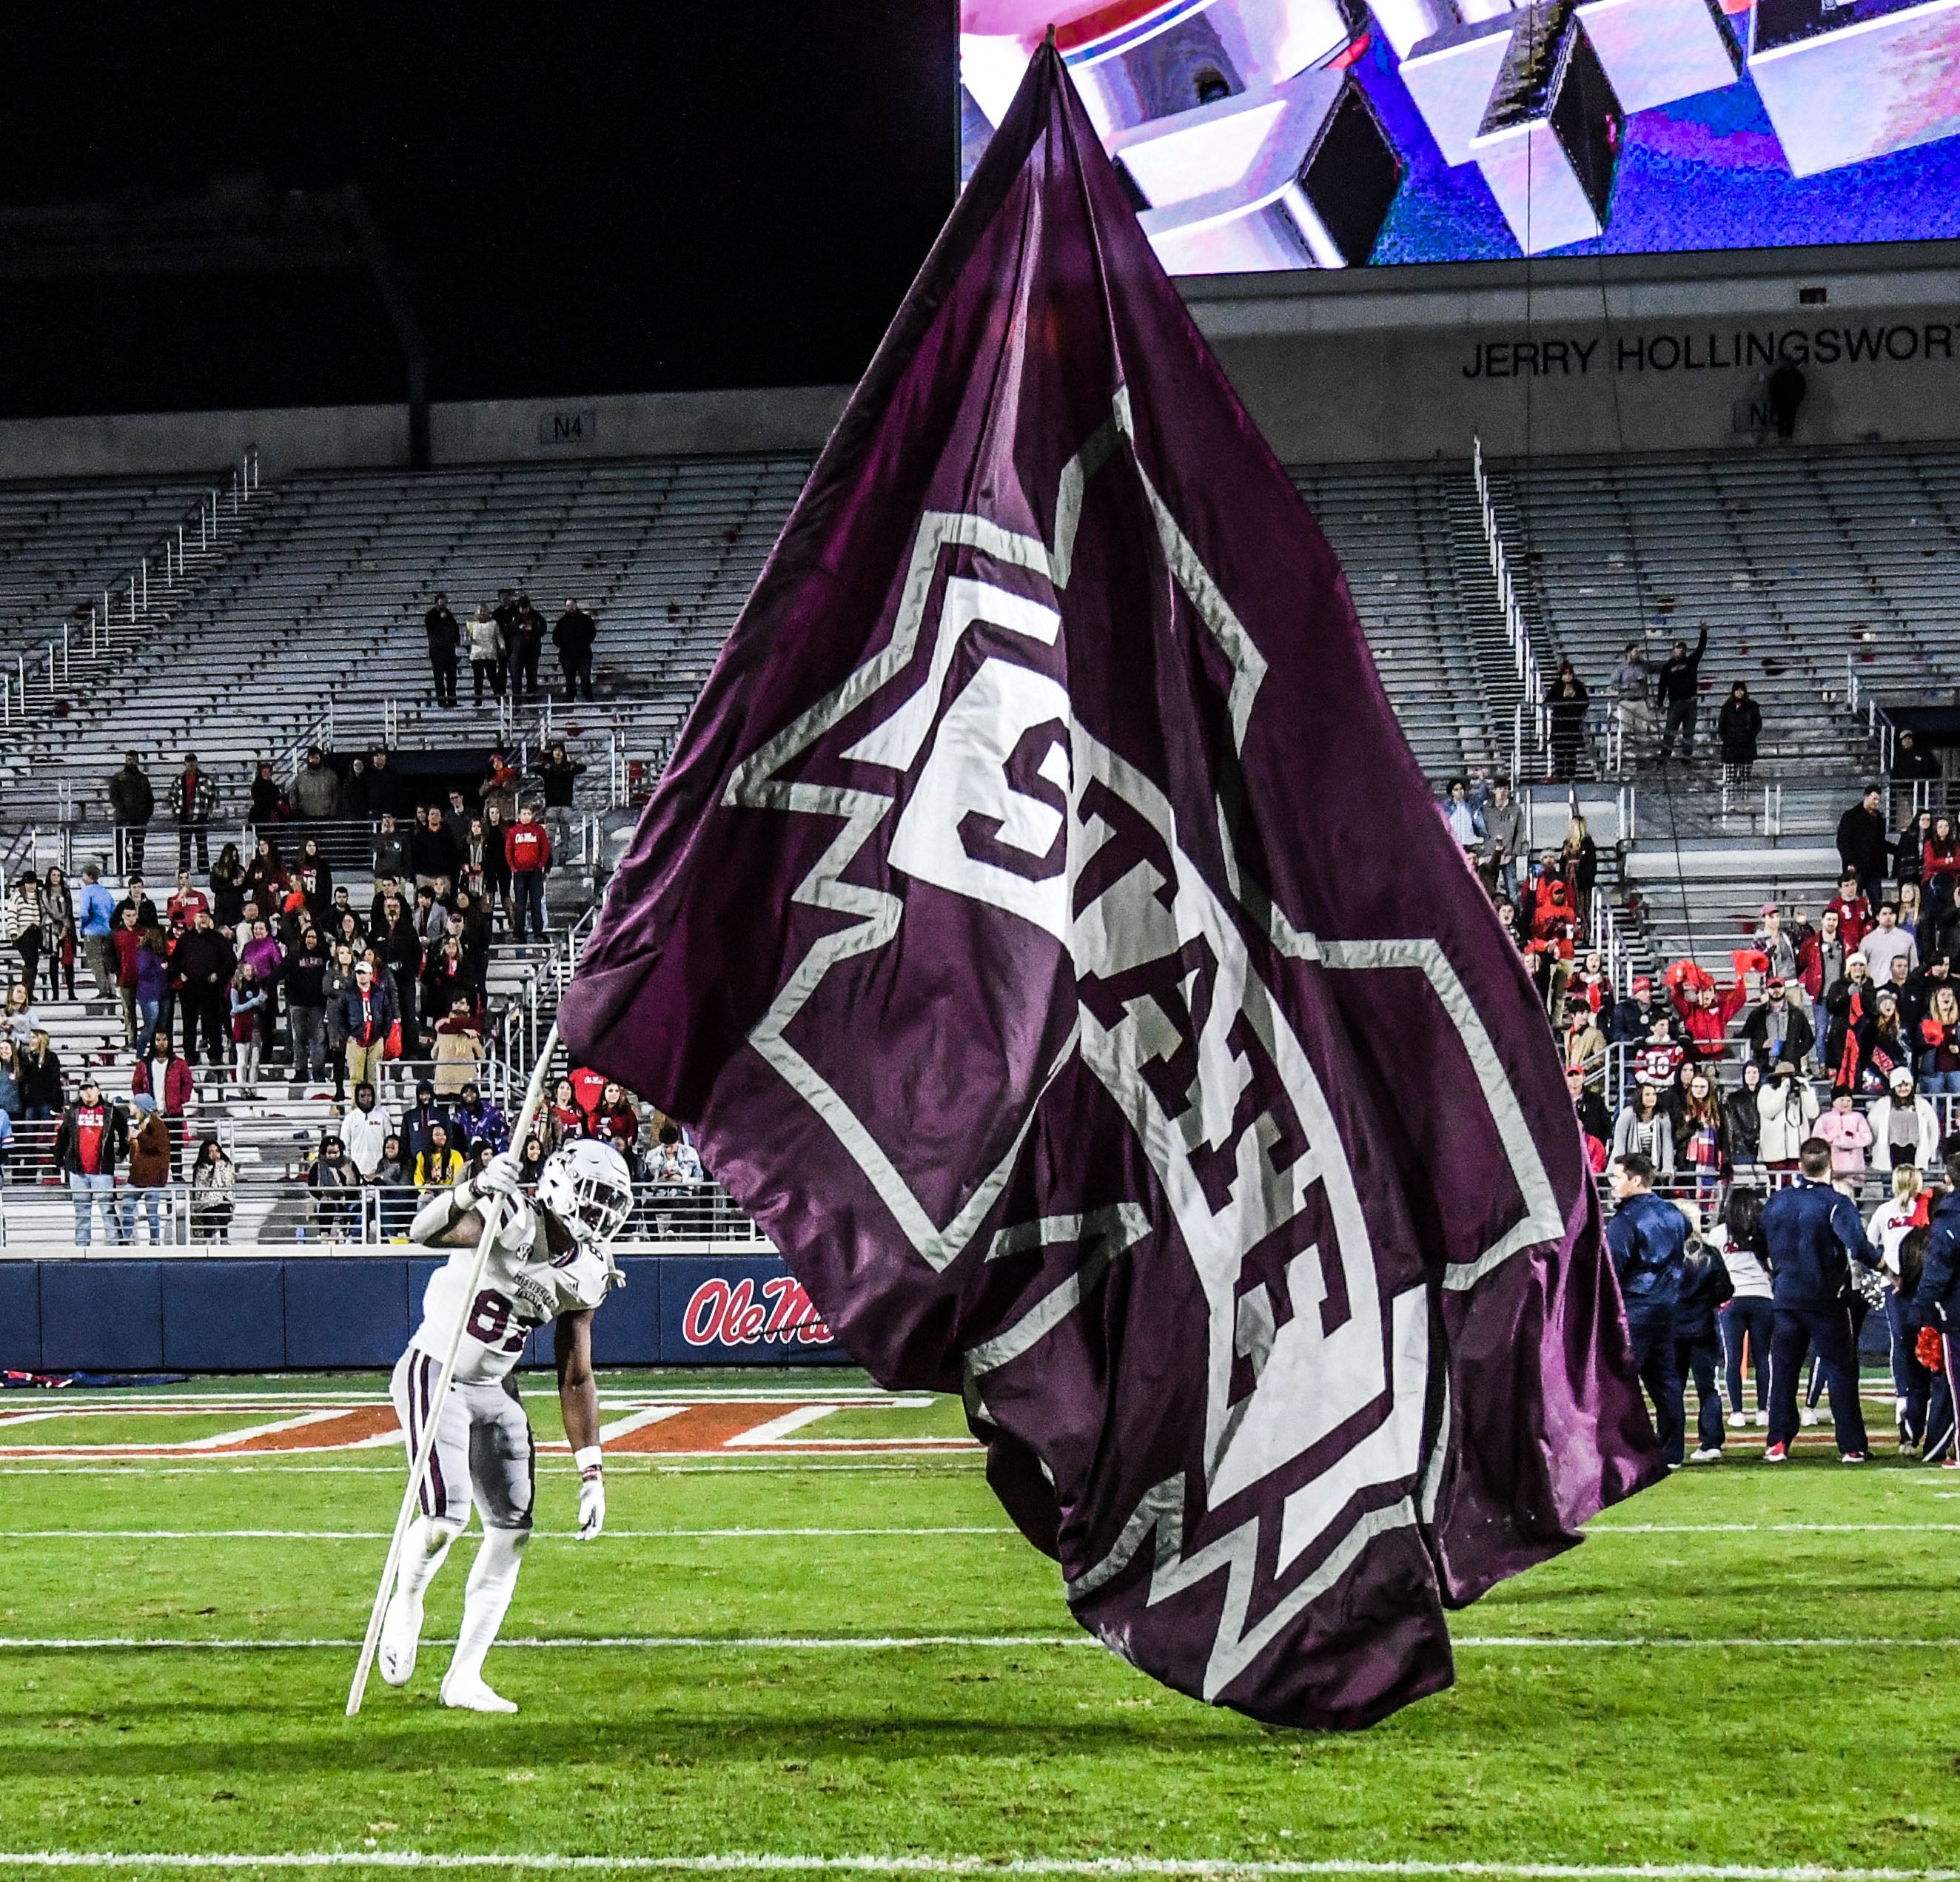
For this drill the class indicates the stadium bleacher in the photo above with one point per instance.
(298, 618)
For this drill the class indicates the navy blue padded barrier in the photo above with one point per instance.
(346, 1310)
(224, 1316)
(102, 1316)
(21, 1315)
(626, 1329)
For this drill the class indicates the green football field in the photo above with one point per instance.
(801, 1653)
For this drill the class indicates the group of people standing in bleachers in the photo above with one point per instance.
(502, 643)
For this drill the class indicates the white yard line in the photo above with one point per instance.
(381, 1535)
(638, 1421)
(866, 1643)
(1115, 1866)
(1745, 1529)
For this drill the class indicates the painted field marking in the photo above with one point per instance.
(950, 1463)
(868, 1643)
(542, 1535)
(1197, 1867)
(1745, 1529)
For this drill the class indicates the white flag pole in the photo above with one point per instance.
(493, 1221)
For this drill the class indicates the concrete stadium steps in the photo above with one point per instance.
(1807, 567)
(60, 544)
(1703, 899)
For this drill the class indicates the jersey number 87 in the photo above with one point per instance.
(491, 1316)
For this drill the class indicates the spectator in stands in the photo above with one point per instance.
(1704, 1015)
(394, 1177)
(316, 791)
(1904, 1127)
(192, 804)
(1861, 844)
(1886, 1048)
(1457, 814)
(1579, 859)
(1806, 1233)
(559, 775)
(149, 985)
(1643, 1129)
(1748, 1319)
(1630, 696)
(90, 1145)
(1939, 867)
(58, 931)
(1886, 942)
(338, 978)
(1850, 1005)
(335, 1183)
(183, 907)
(163, 1075)
(1701, 1137)
(1777, 947)
(1911, 913)
(1939, 1040)
(353, 790)
(1585, 1044)
(1789, 1108)
(12, 1109)
(131, 804)
(575, 637)
(125, 941)
(23, 915)
(367, 1014)
(1778, 1030)
(1822, 959)
(151, 1161)
(20, 1013)
(422, 1117)
(528, 849)
(391, 850)
(1595, 1124)
(479, 1119)
(266, 803)
(1647, 1240)
(432, 851)
(1566, 701)
(444, 637)
(563, 1119)
(485, 635)
(305, 973)
(266, 877)
(525, 635)
(458, 1048)
(1912, 762)
(430, 917)
(445, 978)
(365, 1131)
(213, 1191)
(1659, 1055)
(1843, 1127)
(203, 962)
(1680, 689)
(1743, 1113)
(385, 785)
(1503, 826)
(1909, 849)
(38, 1074)
(227, 887)
(401, 953)
(93, 915)
(674, 1160)
(440, 1166)
(1737, 727)
(248, 1003)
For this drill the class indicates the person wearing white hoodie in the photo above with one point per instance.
(1788, 1109)
(1905, 1128)
(364, 1131)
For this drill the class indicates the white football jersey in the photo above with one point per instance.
(522, 1287)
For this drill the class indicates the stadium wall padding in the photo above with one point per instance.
(316, 1313)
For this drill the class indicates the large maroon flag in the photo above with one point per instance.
(1046, 928)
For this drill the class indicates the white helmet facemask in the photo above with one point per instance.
(588, 1188)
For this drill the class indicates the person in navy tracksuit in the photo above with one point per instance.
(1647, 1240)
(1809, 1236)
(1705, 1286)
(1935, 1303)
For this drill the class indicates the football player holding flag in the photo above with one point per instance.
(547, 1261)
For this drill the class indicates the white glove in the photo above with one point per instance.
(499, 1176)
(591, 1494)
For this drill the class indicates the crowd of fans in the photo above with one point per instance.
(502, 643)
(261, 968)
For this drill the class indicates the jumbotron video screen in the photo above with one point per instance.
(1257, 135)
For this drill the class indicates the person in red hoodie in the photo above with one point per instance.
(1704, 1016)
(527, 849)
(1852, 911)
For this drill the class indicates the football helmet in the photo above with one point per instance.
(588, 1188)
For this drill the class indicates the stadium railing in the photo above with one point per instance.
(40, 1219)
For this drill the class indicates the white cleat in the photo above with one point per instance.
(401, 1634)
(471, 1695)
(1808, 1414)
(1708, 1453)
(1762, 1421)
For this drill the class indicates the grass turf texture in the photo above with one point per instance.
(1844, 1755)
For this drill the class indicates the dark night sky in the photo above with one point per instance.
(584, 199)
